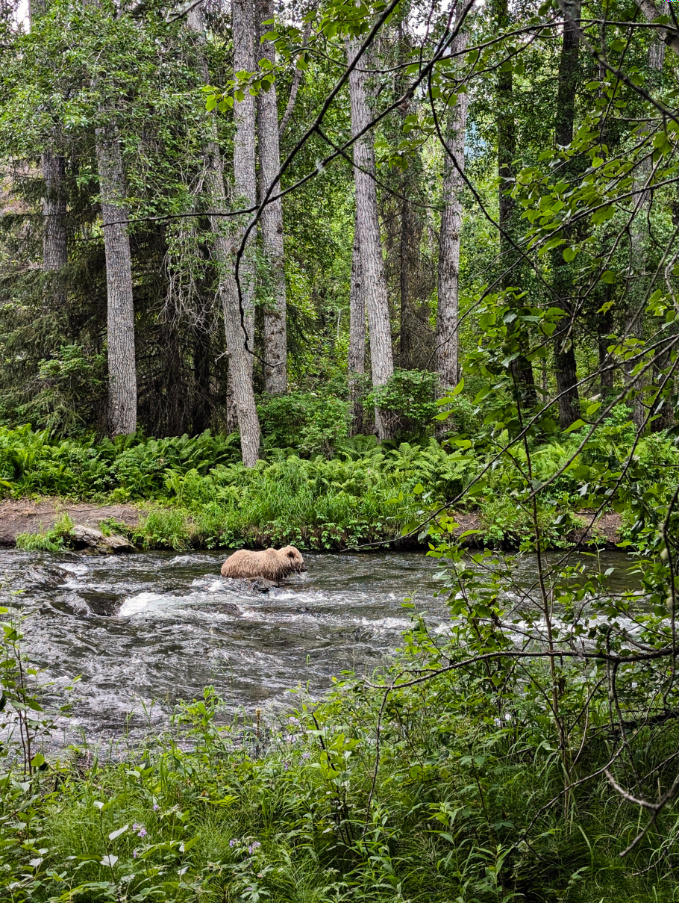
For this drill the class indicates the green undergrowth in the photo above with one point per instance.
(52, 540)
(195, 493)
(464, 806)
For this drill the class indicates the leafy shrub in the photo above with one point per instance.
(410, 397)
(463, 415)
(306, 421)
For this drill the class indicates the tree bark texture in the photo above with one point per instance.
(562, 281)
(447, 335)
(650, 12)
(405, 331)
(522, 368)
(640, 241)
(373, 278)
(241, 396)
(54, 238)
(244, 168)
(122, 373)
(275, 335)
(356, 359)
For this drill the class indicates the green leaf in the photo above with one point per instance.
(603, 214)
(575, 426)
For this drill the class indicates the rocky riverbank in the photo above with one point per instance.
(39, 515)
(21, 516)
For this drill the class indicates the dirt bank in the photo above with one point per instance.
(25, 516)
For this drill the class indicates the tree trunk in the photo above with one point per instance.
(356, 361)
(604, 327)
(54, 238)
(122, 373)
(240, 394)
(639, 247)
(244, 169)
(373, 277)
(275, 337)
(447, 336)
(564, 345)
(405, 333)
(522, 368)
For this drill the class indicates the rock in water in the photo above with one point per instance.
(256, 584)
(91, 538)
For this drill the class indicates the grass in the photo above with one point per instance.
(287, 812)
(52, 540)
(198, 494)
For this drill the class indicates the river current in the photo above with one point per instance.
(144, 631)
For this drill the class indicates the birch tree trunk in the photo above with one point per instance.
(122, 373)
(241, 389)
(244, 169)
(373, 277)
(447, 335)
(356, 357)
(564, 347)
(275, 334)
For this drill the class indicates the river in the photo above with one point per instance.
(146, 630)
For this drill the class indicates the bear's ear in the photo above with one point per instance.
(291, 554)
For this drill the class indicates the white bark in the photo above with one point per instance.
(275, 335)
(122, 373)
(356, 356)
(241, 391)
(447, 333)
(368, 226)
(244, 170)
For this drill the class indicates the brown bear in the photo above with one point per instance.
(272, 564)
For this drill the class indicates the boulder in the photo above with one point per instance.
(90, 538)
(252, 584)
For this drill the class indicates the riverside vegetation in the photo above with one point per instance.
(451, 774)
(328, 491)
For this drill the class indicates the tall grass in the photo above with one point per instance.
(460, 808)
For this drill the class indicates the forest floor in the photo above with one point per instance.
(38, 515)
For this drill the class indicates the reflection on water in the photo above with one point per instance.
(162, 626)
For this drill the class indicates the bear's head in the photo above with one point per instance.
(293, 559)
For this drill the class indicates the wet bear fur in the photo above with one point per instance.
(272, 564)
